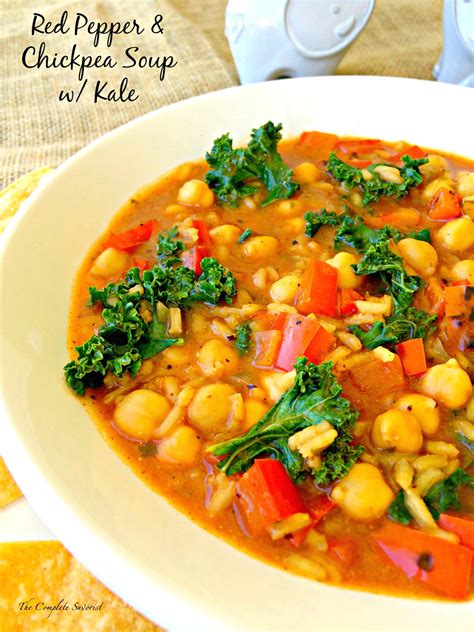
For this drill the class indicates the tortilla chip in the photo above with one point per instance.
(16, 193)
(8, 488)
(35, 577)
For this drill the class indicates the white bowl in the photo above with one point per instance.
(132, 539)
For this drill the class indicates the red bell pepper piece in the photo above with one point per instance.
(445, 205)
(267, 344)
(347, 299)
(318, 290)
(412, 355)
(359, 146)
(344, 550)
(318, 506)
(265, 494)
(298, 335)
(321, 344)
(141, 264)
(204, 235)
(462, 527)
(443, 566)
(455, 303)
(192, 258)
(130, 239)
(319, 142)
(414, 152)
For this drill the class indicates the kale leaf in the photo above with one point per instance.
(125, 339)
(375, 188)
(353, 232)
(412, 323)
(441, 497)
(398, 510)
(235, 172)
(445, 494)
(380, 259)
(314, 397)
(243, 338)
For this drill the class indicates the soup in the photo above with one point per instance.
(279, 339)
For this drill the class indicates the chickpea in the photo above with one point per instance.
(284, 290)
(458, 234)
(466, 184)
(424, 408)
(434, 167)
(226, 234)
(463, 271)
(111, 262)
(289, 207)
(181, 446)
(140, 413)
(175, 355)
(346, 277)
(448, 384)
(420, 255)
(196, 193)
(397, 429)
(306, 172)
(217, 358)
(363, 494)
(261, 246)
(254, 410)
(210, 408)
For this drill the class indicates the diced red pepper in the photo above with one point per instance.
(344, 550)
(320, 143)
(130, 239)
(347, 299)
(414, 152)
(303, 337)
(445, 205)
(318, 506)
(267, 344)
(192, 258)
(203, 230)
(359, 146)
(455, 303)
(463, 527)
(321, 344)
(265, 494)
(443, 566)
(141, 264)
(412, 355)
(318, 289)
(297, 334)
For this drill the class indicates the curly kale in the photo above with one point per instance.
(375, 188)
(314, 397)
(125, 339)
(243, 338)
(441, 497)
(236, 173)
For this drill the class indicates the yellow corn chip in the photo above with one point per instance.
(8, 488)
(16, 193)
(44, 588)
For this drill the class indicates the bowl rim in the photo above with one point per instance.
(33, 479)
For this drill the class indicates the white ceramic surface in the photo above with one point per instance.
(151, 555)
